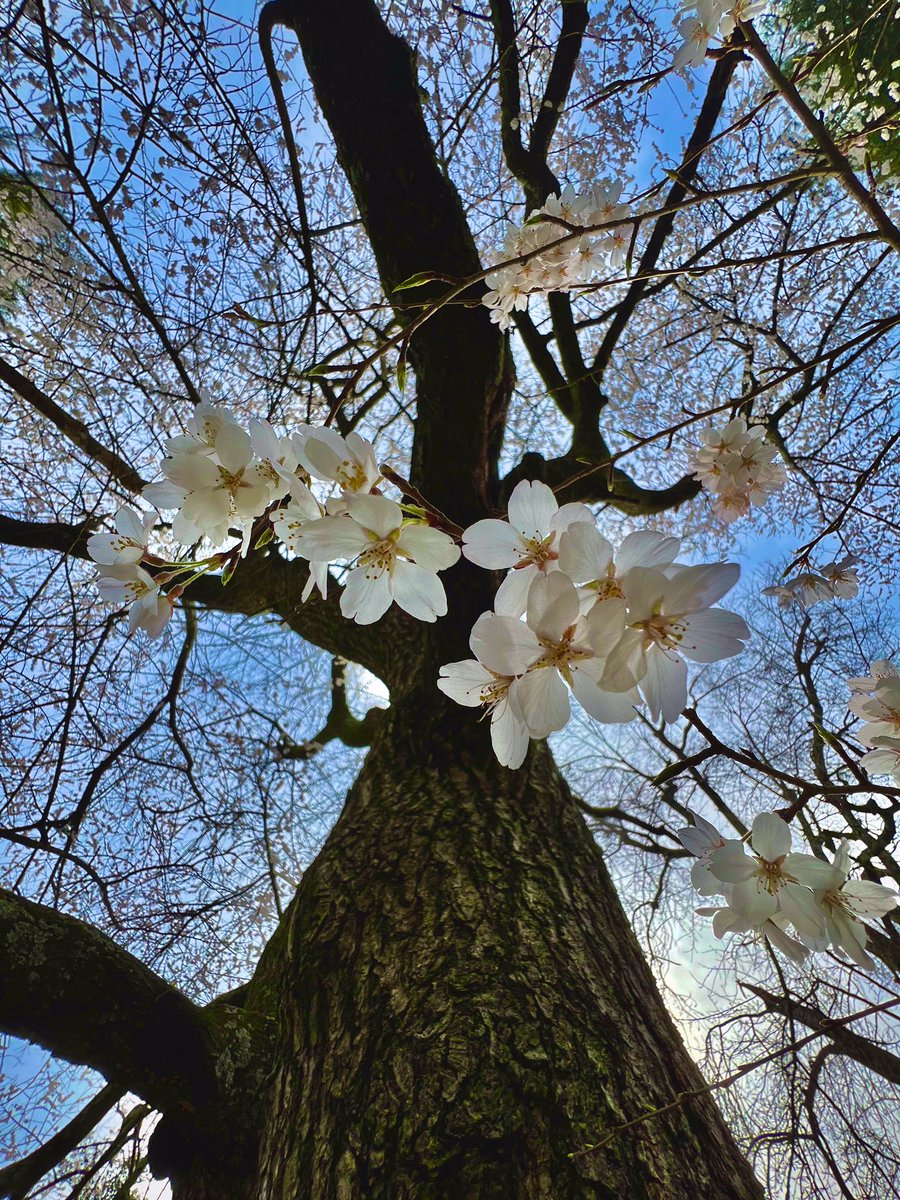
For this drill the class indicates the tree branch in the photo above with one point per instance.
(76, 431)
(823, 139)
(17, 1179)
(571, 479)
(365, 81)
(340, 723)
(71, 989)
(844, 1040)
(706, 120)
(47, 535)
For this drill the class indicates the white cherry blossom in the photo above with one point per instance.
(884, 759)
(772, 878)
(736, 464)
(472, 684)
(347, 461)
(701, 839)
(391, 562)
(773, 929)
(670, 616)
(127, 583)
(528, 542)
(275, 458)
(553, 648)
(841, 578)
(882, 670)
(128, 544)
(288, 523)
(215, 489)
(203, 429)
(881, 710)
(589, 559)
(844, 903)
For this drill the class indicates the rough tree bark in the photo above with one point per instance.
(461, 1001)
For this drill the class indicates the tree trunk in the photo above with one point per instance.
(461, 1000)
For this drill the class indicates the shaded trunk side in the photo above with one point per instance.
(462, 1001)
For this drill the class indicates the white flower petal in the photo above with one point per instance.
(377, 513)
(646, 548)
(731, 863)
(465, 681)
(694, 588)
(509, 736)
(366, 596)
(612, 708)
(584, 553)
(233, 448)
(330, 538)
(419, 592)
(512, 595)
(812, 872)
(531, 508)
(543, 701)
(664, 685)
(771, 837)
(869, 899)
(802, 909)
(713, 635)
(552, 605)
(504, 644)
(493, 544)
(430, 548)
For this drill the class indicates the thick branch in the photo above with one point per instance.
(340, 723)
(530, 165)
(265, 582)
(17, 1180)
(47, 535)
(70, 988)
(365, 81)
(571, 479)
(706, 120)
(866, 1053)
(76, 431)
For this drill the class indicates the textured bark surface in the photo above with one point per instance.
(461, 1001)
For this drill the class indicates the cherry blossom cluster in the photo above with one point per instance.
(773, 888)
(706, 19)
(218, 475)
(876, 698)
(735, 463)
(834, 580)
(553, 265)
(573, 614)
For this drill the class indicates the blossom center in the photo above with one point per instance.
(771, 874)
(662, 631)
(538, 551)
(351, 475)
(231, 480)
(561, 655)
(379, 557)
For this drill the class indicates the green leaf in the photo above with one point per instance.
(265, 537)
(228, 570)
(414, 281)
(317, 371)
(401, 374)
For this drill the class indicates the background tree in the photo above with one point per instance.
(444, 995)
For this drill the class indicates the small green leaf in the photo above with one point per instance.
(265, 537)
(415, 281)
(317, 371)
(228, 570)
(401, 374)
